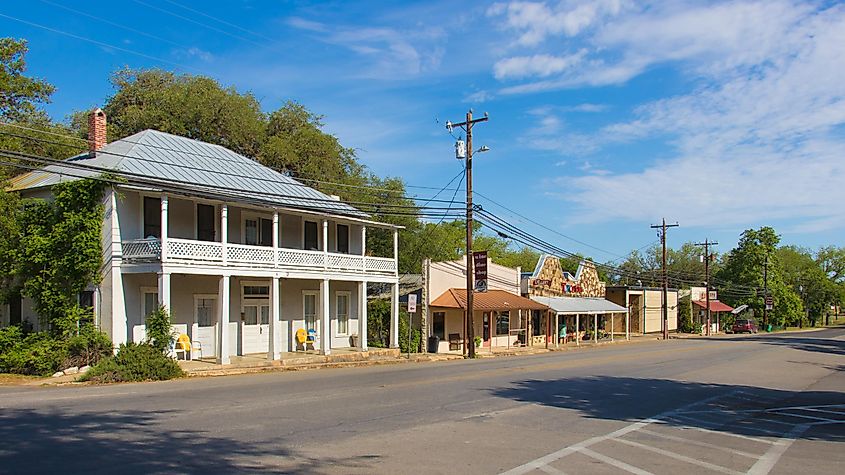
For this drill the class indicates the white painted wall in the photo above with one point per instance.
(452, 274)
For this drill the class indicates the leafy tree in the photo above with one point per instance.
(197, 107)
(20, 96)
(807, 279)
(831, 259)
(59, 252)
(21, 103)
(743, 272)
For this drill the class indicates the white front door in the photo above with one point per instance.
(205, 325)
(255, 306)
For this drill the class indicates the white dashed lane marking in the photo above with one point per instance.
(752, 432)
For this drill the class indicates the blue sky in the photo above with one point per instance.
(605, 116)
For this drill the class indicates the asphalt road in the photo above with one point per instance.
(745, 404)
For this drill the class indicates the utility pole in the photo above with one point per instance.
(662, 228)
(469, 327)
(707, 245)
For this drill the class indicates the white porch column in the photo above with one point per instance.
(362, 316)
(164, 214)
(612, 315)
(275, 239)
(364, 248)
(223, 321)
(326, 243)
(273, 352)
(627, 326)
(325, 320)
(577, 329)
(557, 329)
(394, 316)
(224, 230)
(595, 328)
(164, 291)
(396, 252)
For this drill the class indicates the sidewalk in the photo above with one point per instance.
(375, 356)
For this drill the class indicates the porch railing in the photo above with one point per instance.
(186, 250)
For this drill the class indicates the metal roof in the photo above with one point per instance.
(189, 164)
(580, 305)
(486, 301)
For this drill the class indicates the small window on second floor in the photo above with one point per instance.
(152, 217)
(311, 242)
(342, 238)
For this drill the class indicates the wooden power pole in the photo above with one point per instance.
(707, 243)
(662, 228)
(469, 327)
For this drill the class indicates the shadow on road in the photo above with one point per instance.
(736, 409)
(798, 342)
(56, 442)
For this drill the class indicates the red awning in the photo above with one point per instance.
(715, 306)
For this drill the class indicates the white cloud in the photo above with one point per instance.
(478, 97)
(391, 53)
(536, 21)
(540, 65)
(756, 142)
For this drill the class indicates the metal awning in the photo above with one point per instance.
(580, 305)
(715, 306)
(492, 300)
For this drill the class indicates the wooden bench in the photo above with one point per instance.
(455, 341)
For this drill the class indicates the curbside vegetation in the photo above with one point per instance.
(147, 361)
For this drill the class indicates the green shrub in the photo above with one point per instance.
(87, 348)
(34, 353)
(159, 331)
(134, 362)
(403, 335)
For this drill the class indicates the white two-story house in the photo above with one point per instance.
(242, 256)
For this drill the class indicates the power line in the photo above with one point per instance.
(198, 12)
(101, 43)
(117, 25)
(250, 162)
(201, 169)
(204, 25)
(518, 215)
(298, 201)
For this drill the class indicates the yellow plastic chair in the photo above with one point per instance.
(185, 346)
(302, 339)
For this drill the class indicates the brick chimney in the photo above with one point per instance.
(96, 129)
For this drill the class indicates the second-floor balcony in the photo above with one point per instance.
(239, 255)
(181, 230)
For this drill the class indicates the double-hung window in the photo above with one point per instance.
(309, 310)
(342, 310)
(258, 232)
(205, 312)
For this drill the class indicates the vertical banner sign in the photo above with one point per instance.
(412, 303)
(479, 261)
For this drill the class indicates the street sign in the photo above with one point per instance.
(714, 295)
(412, 303)
(770, 301)
(479, 261)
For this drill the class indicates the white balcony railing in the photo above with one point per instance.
(238, 255)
